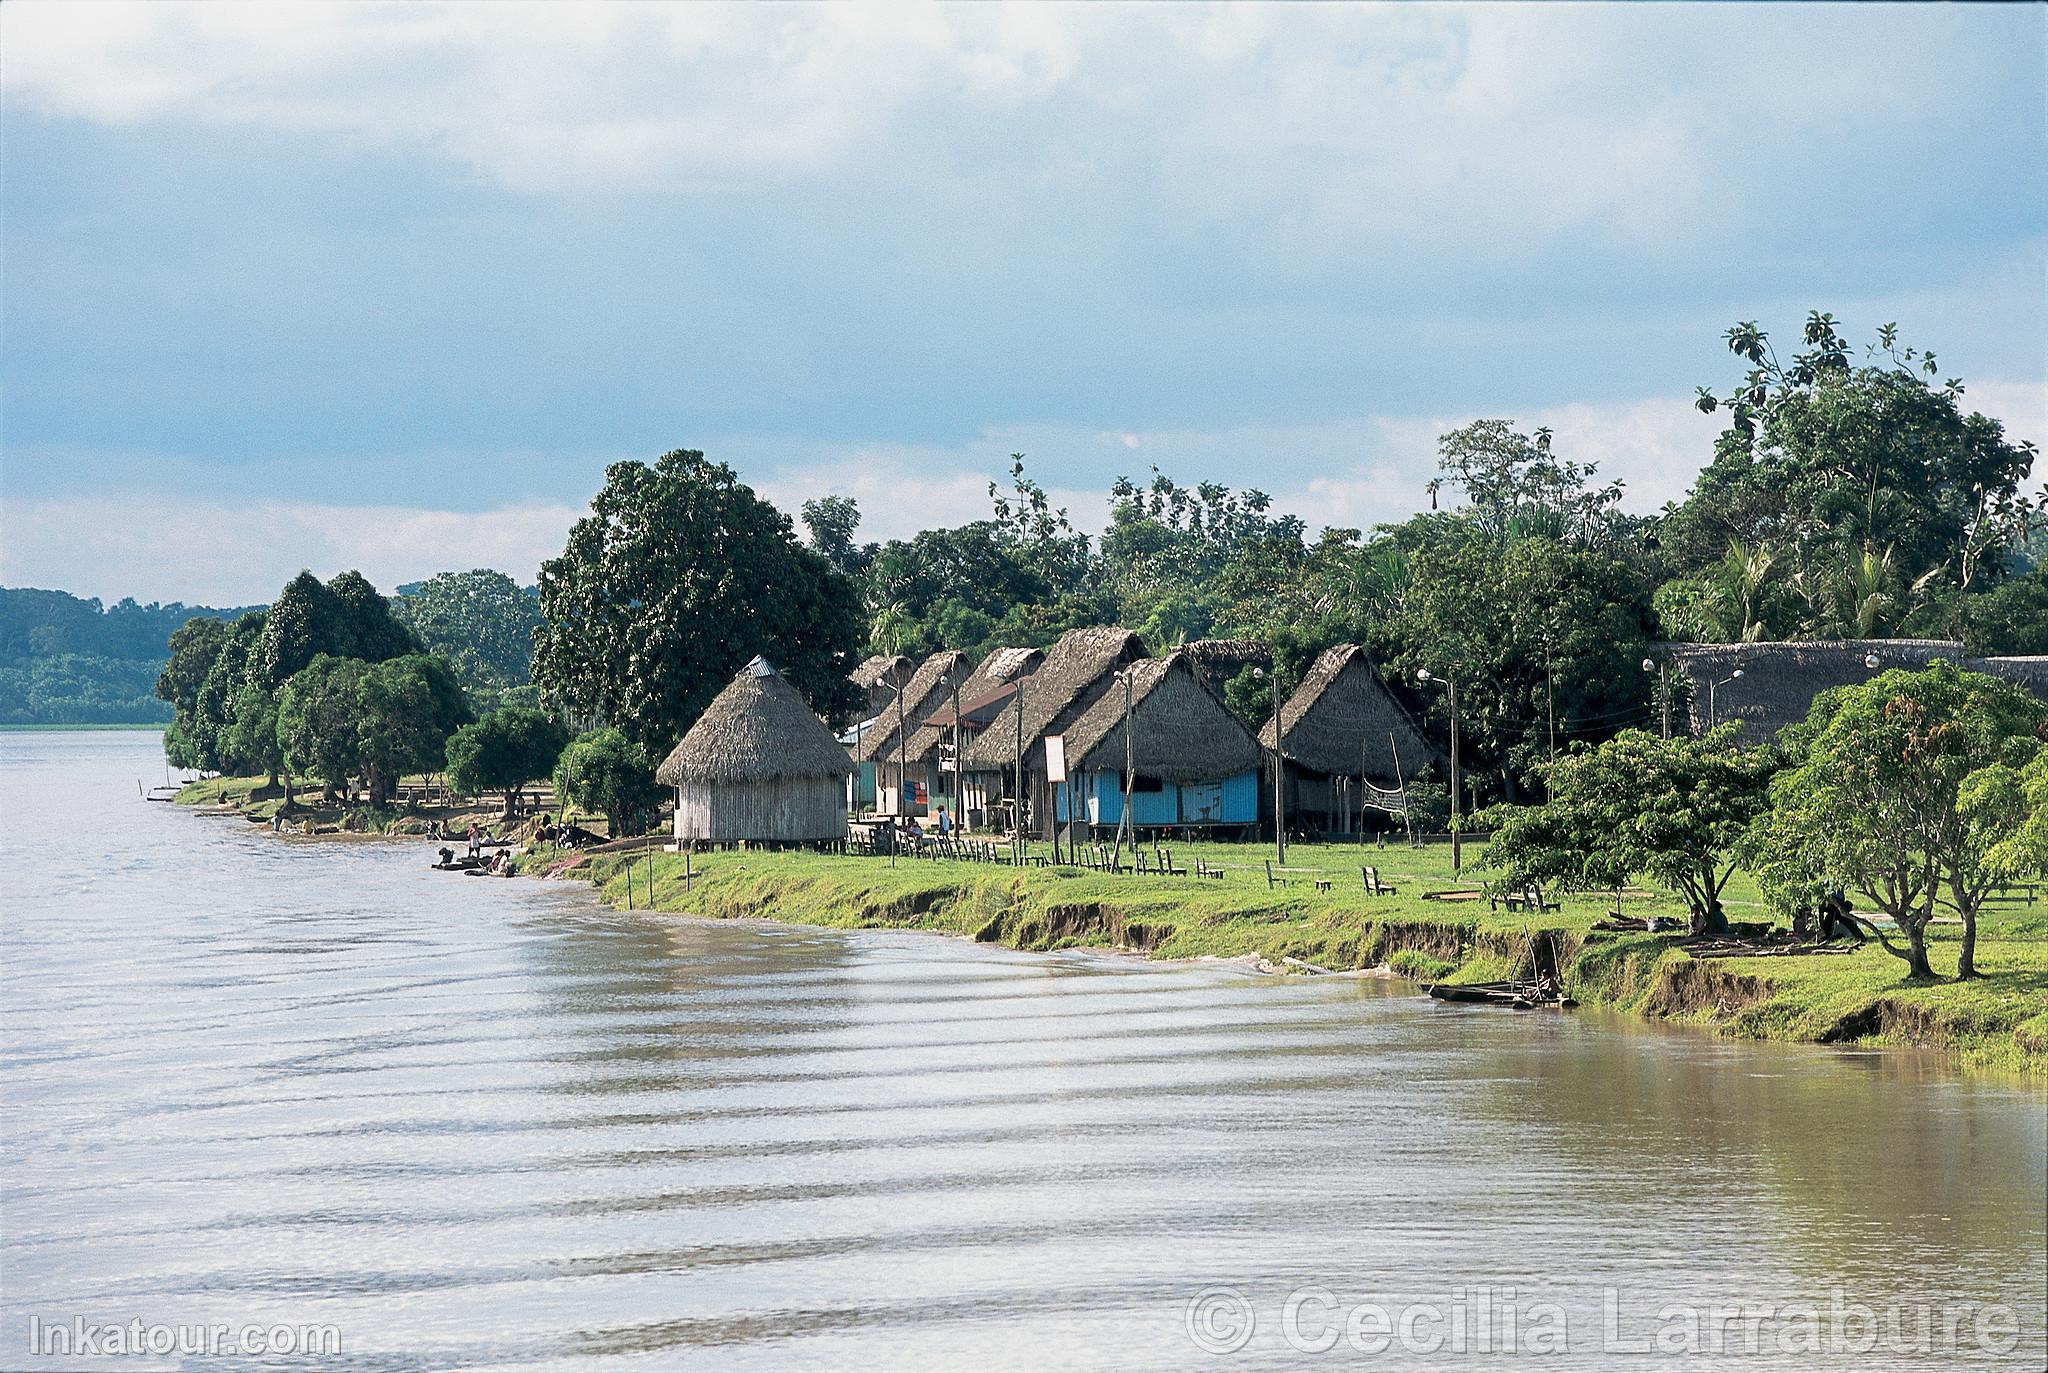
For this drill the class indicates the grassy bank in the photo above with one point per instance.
(1999, 1022)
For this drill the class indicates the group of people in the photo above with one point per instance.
(908, 830)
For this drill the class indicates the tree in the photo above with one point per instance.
(344, 618)
(504, 751)
(1829, 465)
(1533, 630)
(676, 578)
(605, 771)
(2023, 852)
(1518, 487)
(214, 707)
(480, 621)
(1896, 790)
(1675, 809)
(830, 521)
(251, 741)
(406, 709)
(316, 720)
(194, 646)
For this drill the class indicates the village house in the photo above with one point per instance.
(1193, 766)
(1348, 742)
(903, 786)
(1076, 671)
(758, 767)
(936, 745)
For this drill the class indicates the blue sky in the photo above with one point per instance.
(388, 287)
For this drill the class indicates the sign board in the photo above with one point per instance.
(1055, 757)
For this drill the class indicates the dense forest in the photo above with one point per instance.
(68, 661)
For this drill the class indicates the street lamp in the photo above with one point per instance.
(1663, 671)
(1870, 661)
(1712, 720)
(1450, 684)
(1279, 765)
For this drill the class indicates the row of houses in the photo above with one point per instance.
(1061, 730)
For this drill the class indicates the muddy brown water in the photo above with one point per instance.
(491, 1124)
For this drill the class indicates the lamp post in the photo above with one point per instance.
(1279, 766)
(1663, 670)
(1712, 718)
(1125, 821)
(1450, 684)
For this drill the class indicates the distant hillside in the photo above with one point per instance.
(68, 661)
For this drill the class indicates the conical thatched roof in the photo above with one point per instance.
(1179, 730)
(1002, 667)
(1066, 683)
(758, 729)
(1342, 718)
(929, 688)
(1779, 681)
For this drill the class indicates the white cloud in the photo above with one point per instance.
(214, 553)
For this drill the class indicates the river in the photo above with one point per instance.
(491, 1124)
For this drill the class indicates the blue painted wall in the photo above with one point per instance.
(1098, 797)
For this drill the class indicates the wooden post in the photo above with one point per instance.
(1279, 769)
(1457, 839)
(1017, 803)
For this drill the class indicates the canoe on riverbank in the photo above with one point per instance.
(1521, 996)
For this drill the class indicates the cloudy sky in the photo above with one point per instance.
(389, 287)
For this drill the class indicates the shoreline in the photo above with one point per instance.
(1998, 1024)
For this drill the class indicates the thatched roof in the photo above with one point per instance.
(758, 729)
(929, 688)
(879, 676)
(1073, 674)
(1216, 661)
(2031, 673)
(1180, 731)
(1003, 667)
(1779, 681)
(1342, 718)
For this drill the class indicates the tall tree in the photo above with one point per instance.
(406, 709)
(676, 578)
(316, 720)
(1518, 487)
(1881, 797)
(344, 618)
(480, 621)
(831, 521)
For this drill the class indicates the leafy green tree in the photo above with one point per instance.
(1674, 809)
(251, 742)
(1837, 468)
(214, 708)
(406, 709)
(1533, 630)
(1518, 488)
(1897, 791)
(830, 522)
(194, 646)
(344, 618)
(2023, 852)
(676, 578)
(606, 772)
(504, 751)
(316, 720)
(480, 621)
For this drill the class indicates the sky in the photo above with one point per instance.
(389, 287)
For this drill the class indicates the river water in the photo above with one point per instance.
(491, 1124)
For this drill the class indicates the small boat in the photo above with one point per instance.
(1521, 996)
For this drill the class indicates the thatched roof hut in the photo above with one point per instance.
(1780, 680)
(998, 673)
(1342, 719)
(1073, 674)
(879, 676)
(2031, 673)
(1180, 731)
(758, 766)
(930, 687)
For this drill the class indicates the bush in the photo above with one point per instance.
(1419, 966)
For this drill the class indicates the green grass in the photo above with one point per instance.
(1999, 1022)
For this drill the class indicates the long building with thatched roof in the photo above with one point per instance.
(1075, 672)
(902, 787)
(1778, 681)
(1343, 724)
(759, 767)
(953, 724)
(1192, 764)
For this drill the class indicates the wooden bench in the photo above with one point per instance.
(1373, 885)
(1529, 898)
(1162, 863)
(1203, 869)
(1277, 876)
